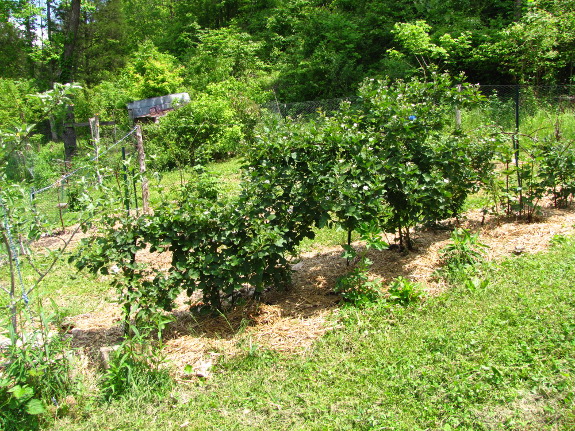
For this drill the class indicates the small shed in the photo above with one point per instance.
(155, 107)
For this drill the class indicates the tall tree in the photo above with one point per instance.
(71, 26)
(103, 41)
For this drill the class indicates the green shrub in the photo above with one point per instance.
(557, 171)
(135, 367)
(356, 287)
(404, 292)
(205, 129)
(37, 374)
(462, 255)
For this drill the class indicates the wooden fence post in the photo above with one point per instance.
(95, 130)
(142, 163)
(458, 112)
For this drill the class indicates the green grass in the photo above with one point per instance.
(73, 292)
(165, 185)
(498, 358)
(326, 237)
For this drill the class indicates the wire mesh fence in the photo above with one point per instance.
(105, 177)
(511, 107)
(307, 110)
(58, 201)
(521, 107)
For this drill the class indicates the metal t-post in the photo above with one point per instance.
(516, 146)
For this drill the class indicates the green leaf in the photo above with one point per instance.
(21, 392)
(35, 407)
(349, 252)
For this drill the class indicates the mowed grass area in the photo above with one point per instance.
(496, 358)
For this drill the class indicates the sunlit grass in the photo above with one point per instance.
(495, 358)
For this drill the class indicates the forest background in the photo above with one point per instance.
(237, 53)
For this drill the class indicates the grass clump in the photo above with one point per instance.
(496, 358)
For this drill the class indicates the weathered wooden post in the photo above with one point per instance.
(458, 112)
(69, 137)
(95, 130)
(142, 163)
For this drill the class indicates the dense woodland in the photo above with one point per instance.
(288, 50)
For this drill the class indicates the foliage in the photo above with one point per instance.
(415, 40)
(534, 48)
(151, 73)
(37, 374)
(404, 291)
(134, 367)
(368, 170)
(356, 287)
(464, 250)
(557, 171)
(18, 224)
(18, 105)
(427, 171)
(221, 55)
(206, 128)
(462, 255)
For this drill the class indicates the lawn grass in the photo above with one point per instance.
(64, 291)
(165, 185)
(496, 358)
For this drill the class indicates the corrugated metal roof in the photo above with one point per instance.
(156, 106)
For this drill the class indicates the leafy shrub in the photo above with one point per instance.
(427, 170)
(204, 129)
(403, 291)
(386, 166)
(135, 367)
(460, 257)
(557, 171)
(37, 374)
(356, 288)
(464, 250)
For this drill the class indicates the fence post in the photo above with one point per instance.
(142, 163)
(516, 145)
(127, 189)
(458, 112)
(95, 131)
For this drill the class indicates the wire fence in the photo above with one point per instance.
(59, 200)
(521, 107)
(512, 107)
(307, 110)
(59, 204)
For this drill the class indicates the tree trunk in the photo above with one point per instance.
(69, 137)
(518, 9)
(53, 130)
(67, 65)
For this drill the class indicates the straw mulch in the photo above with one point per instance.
(290, 321)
